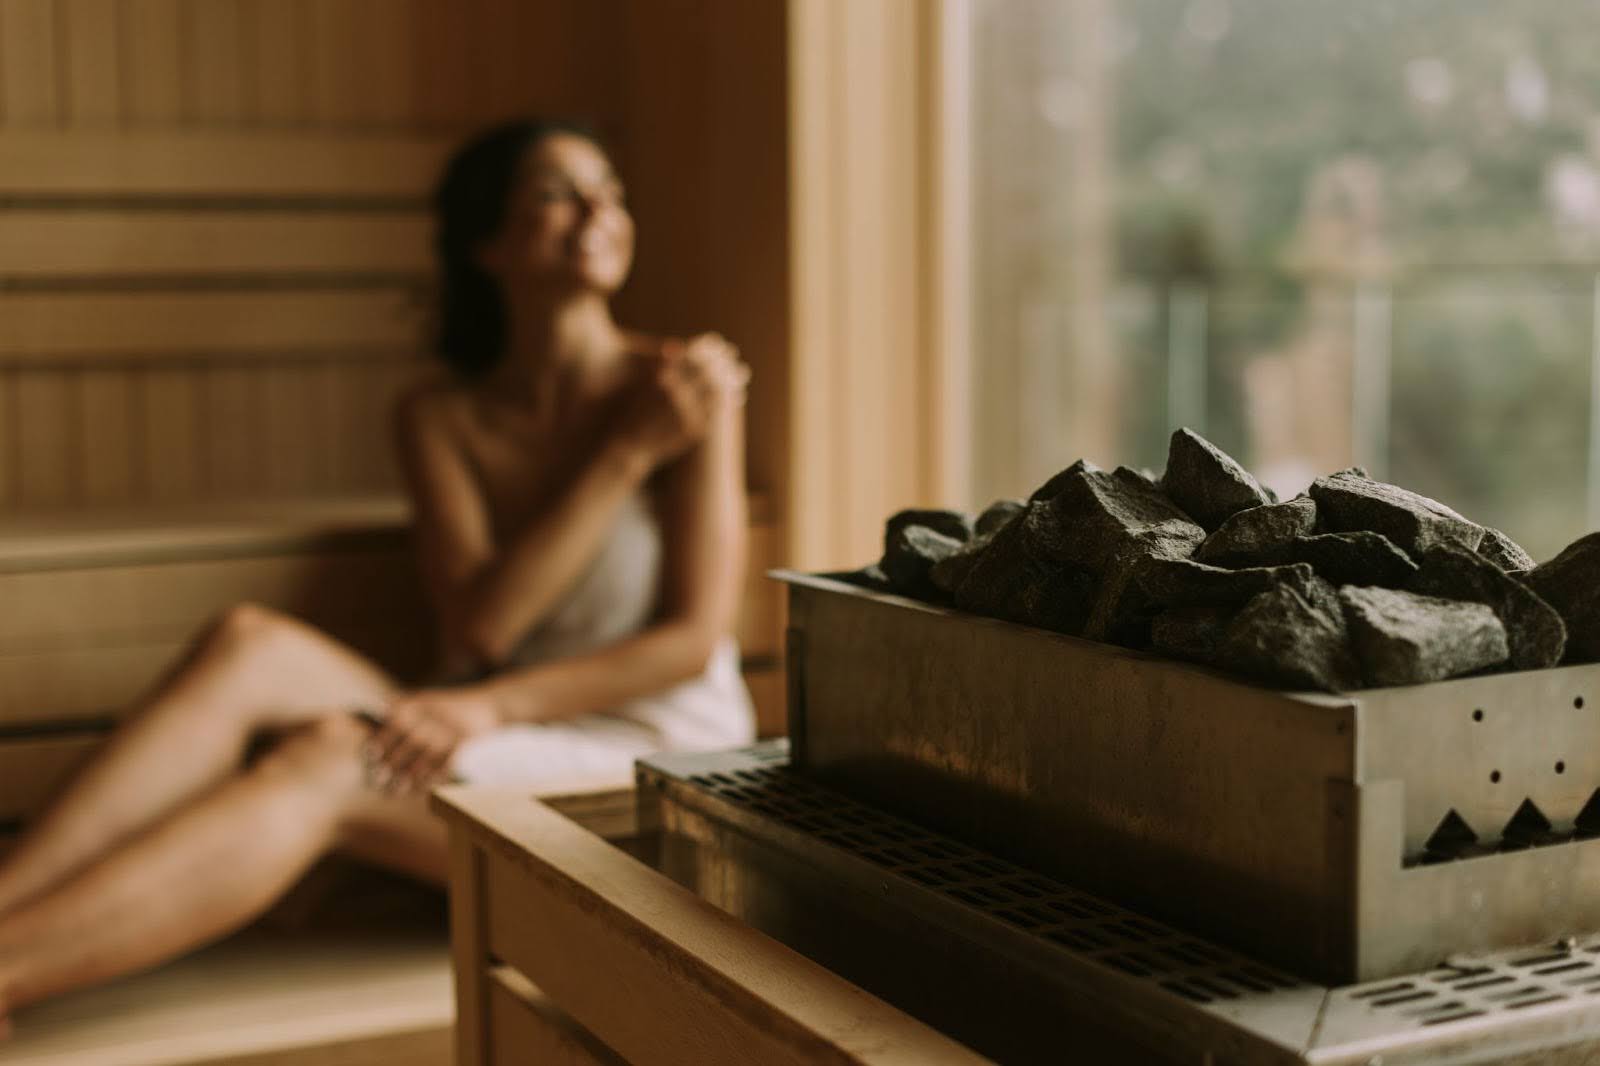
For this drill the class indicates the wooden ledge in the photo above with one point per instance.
(261, 998)
(74, 540)
(71, 540)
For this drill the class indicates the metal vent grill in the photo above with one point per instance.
(1483, 987)
(1069, 919)
(1465, 995)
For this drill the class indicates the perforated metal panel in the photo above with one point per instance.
(1462, 1011)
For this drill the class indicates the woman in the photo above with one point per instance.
(578, 500)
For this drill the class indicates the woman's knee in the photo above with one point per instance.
(326, 747)
(247, 623)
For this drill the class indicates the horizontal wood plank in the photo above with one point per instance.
(124, 605)
(266, 997)
(527, 1027)
(40, 245)
(127, 536)
(220, 163)
(64, 685)
(35, 325)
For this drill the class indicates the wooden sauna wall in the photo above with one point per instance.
(213, 241)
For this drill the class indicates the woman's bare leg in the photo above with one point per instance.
(255, 669)
(212, 867)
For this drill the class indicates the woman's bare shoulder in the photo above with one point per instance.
(433, 404)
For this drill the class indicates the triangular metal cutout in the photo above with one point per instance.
(1588, 821)
(1527, 828)
(1452, 836)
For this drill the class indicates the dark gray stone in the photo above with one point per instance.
(1534, 630)
(1402, 638)
(1186, 583)
(1348, 502)
(1359, 558)
(998, 514)
(910, 557)
(1119, 611)
(953, 524)
(995, 577)
(1057, 598)
(1323, 595)
(1048, 490)
(1253, 537)
(1096, 518)
(948, 573)
(868, 577)
(1284, 638)
(1191, 633)
(1004, 581)
(1206, 482)
(1504, 552)
(1571, 584)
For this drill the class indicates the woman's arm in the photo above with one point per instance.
(704, 519)
(705, 529)
(488, 596)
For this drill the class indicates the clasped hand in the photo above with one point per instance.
(411, 750)
(681, 392)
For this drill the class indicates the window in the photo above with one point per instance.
(1319, 233)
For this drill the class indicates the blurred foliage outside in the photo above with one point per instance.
(1377, 221)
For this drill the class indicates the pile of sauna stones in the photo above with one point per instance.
(1355, 584)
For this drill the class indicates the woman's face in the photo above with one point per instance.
(566, 226)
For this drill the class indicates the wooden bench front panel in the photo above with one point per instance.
(654, 973)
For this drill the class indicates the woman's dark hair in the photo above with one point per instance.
(469, 207)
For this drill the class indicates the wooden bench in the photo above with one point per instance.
(92, 608)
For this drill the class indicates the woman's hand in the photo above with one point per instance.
(687, 385)
(421, 731)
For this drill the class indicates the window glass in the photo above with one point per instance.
(1319, 233)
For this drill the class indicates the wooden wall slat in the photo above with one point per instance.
(154, 61)
(53, 323)
(535, 66)
(93, 681)
(442, 88)
(292, 440)
(46, 415)
(391, 25)
(29, 57)
(8, 437)
(110, 440)
(171, 417)
(498, 56)
(362, 51)
(222, 163)
(334, 427)
(213, 58)
(93, 54)
(337, 50)
(234, 452)
(282, 83)
(377, 404)
(48, 243)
